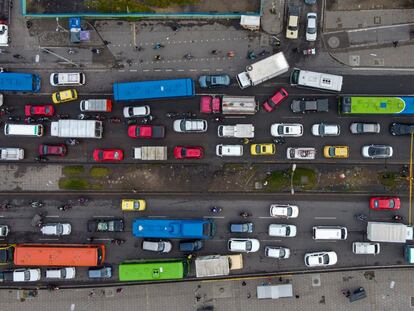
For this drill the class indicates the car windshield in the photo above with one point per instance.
(183, 152)
(131, 111)
(258, 149)
(280, 129)
(287, 230)
(182, 125)
(55, 79)
(248, 245)
(377, 151)
(289, 211)
(360, 127)
(325, 259)
(331, 151)
(102, 226)
(391, 203)
(63, 273)
(26, 275)
(58, 96)
(282, 253)
(59, 229)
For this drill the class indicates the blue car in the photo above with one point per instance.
(214, 81)
(310, 2)
(241, 228)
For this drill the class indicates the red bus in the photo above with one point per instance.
(64, 255)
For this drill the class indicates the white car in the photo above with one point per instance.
(229, 150)
(282, 230)
(61, 273)
(24, 275)
(56, 229)
(365, 248)
(190, 125)
(11, 154)
(377, 151)
(157, 246)
(67, 79)
(321, 259)
(284, 211)
(277, 252)
(243, 245)
(4, 231)
(322, 129)
(311, 32)
(286, 130)
(136, 112)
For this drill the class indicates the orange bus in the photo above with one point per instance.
(69, 255)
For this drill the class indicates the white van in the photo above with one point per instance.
(67, 78)
(329, 233)
(98, 105)
(159, 246)
(365, 248)
(229, 150)
(23, 130)
(61, 273)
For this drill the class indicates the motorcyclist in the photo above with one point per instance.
(244, 214)
(216, 209)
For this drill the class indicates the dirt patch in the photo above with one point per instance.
(356, 5)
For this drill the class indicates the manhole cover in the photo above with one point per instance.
(334, 42)
(354, 60)
(316, 280)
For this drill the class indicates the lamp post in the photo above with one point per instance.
(292, 190)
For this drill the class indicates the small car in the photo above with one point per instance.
(284, 211)
(271, 103)
(128, 205)
(384, 203)
(190, 125)
(263, 149)
(336, 152)
(305, 105)
(286, 130)
(311, 32)
(210, 81)
(100, 273)
(56, 229)
(64, 96)
(60, 150)
(39, 110)
(25, 275)
(229, 150)
(191, 246)
(105, 225)
(320, 259)
(188, 152)
(292, 28)
(61, 273)
(158, 246)
(377, 151)
(243, 245)
(146, 131)
(364, 128)
(241, 228)
(282, 230)
(322, 129)
(136, 112)
(365, 248)
(277, 252)
(67, 78)
(401, 129)
(102, 155)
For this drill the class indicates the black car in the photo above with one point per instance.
(106, 225)
(402, 129)
(310, 105)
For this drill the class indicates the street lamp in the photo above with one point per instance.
(292, 190)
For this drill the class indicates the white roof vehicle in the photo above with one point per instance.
(377, 151)
(61, 273)
(190, 125)
(286, 130)
(133, 112)
(284, 211)
(26, 275)
(300, 153)
(367, 248)
(11, 154)
(322, 129)
(4, 230)
(282, 230)
(229, 150)
(243, 245)
(311, 32)
(56, 229)
(67, 78)
(277, 252)
(321, 259)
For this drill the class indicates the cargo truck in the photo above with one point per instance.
(228, 105)
(77, 128)
(237, 131)
(154, 153)
(389, 232)
(263, 70)
(217, 265)
(4, 22)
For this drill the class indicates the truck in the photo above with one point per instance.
(300, 153)
(4, 22)
(72, 128)
(238, 131)
(20, 82)
(263, 70)
(389, 232)
(217, 265)
(152, 153)
(156, 89)
(11, 154)
(228, 105)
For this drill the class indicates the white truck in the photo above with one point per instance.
(11, 154)
(77, 128)
(263, 70)
(4, 22)
(238, 131)
(217, 265)
(389, 232)
(154, 153)
(300, 153)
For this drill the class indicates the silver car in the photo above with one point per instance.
(56, 229)
(190, 125)
(364, 128)
(377, 151)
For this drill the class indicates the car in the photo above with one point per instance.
(321, 259)
(188, 152)
(284, 211)
(365, 248)
(270, 104)
(310, 105)
(377, 151)
(128, 205)
(61, 273)
(322, 129)
(67, 78)
(146, 131)
(136, 112)
(384, 203)
(364, 128)
(56, 229)
(300, 153)
(229, 150)
(4, 33)
(39, 110)
(401, 129)
(157, 246)
(336, 152)
(277, 252)
(22, 275)
(209, 81)
(60, 150)
(190, 125)
(282, 230)
(64, 96)
(241, 227)
(243, 245)
(106, 225)
(286, 130)
(311, 32)
(292, 28)
(191, 246)
(102, 155)
(100, 273)
(263, 149)
(4, 230)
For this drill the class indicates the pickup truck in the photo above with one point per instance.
(11, 154)
(301, 153)
(146, 131)
(310, 105)
(238, 131)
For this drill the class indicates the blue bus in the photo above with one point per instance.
(174, 228)
(20, 82)
(156, 89)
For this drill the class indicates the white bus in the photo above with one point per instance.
(316, 80)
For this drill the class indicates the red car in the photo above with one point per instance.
(39, 110)
(387, 203)
(59, 150)
(100, 155)
(270, 104)
(194, 152)
(146, 131)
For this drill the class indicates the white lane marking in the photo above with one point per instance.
(317, 217)
(270, 240)
(104, 216)
(52, 216)
(2, 216)
(219, 217)
(157, 216)
(48, 239)
(325, 241)
(265, 217)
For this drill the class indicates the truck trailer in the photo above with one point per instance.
(389, 232)
(217, 265)
(77, 128)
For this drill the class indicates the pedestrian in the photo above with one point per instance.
(119, 290)
(243, 283)
(395, 43)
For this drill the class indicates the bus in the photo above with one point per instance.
(376, 104)
(63, 255)
(20, 82)
(154, 270)
(316, 80)
(174, 228)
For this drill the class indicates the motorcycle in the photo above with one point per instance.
(188, 56)
(246, 141)
(64, 207)
(43, 119)
(217, 119)
(172, 115)
(84, 116)
(231, 54)
(35, 204)
(279, 141)
(148, 119)
(72, 142)
(114, 120)
(216, 209)
(188, 114)
(157, 46)
(83, 200)
(263, 53)
(62, 116)
(29, 120)
(251, 55)
(310, 51)
(398, 217)
(117, 241)
(244, 214)
(361, 217)
(41, 159)
(157, 57)
(14, 118)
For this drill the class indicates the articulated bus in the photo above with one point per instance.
(316, 80)
(153, 270)
(63, 255)
(376, 104)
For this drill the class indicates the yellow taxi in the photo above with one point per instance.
(336, 152)
(131, 205)
(263, 149)
(64, 96)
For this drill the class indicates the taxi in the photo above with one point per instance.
(336, 152)
(263, 149)
(131, 205)
(64, 96)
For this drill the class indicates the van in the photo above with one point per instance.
(100, 273)
(229, 150)
(329, 233)
(158, 246)
(23, 130)
(67, 78)
(191, 246)
(98, 105)
(61, 273)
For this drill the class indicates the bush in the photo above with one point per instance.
(304, 178)
(73, 184)
(388, 179)
(99, 172)
(277, 181)
(73, 170)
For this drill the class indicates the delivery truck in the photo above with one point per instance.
(389, 232)
(228, 105)
(77, 128)
(150, 153)
(217, 265)
(237, 131)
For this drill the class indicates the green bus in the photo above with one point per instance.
(376, 105)
(153, 270)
